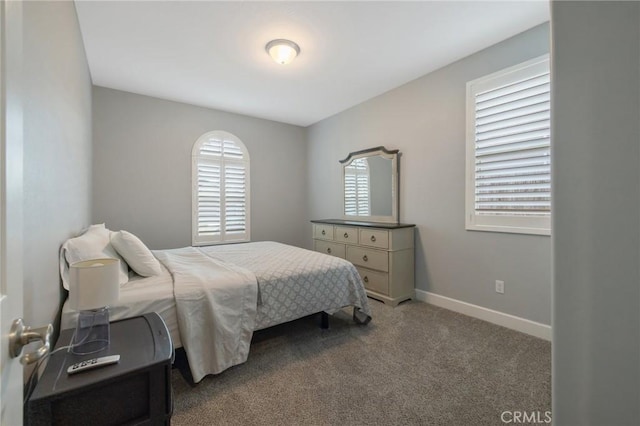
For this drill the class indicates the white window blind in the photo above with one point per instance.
(509, 150)
(220, 189)
(357, 188)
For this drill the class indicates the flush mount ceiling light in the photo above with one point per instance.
(282, 51)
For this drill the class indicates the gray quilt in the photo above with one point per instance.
(295, 282)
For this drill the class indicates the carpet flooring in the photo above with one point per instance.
(415, 364)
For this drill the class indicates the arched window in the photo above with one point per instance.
(220, 189)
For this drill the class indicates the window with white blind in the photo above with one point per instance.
(220, 189)
(357, 192)
(508, 186)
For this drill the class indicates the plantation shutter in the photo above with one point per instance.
(357, 189)
(512, 148)
(209, 221)
(508, 150)
(221, 197)
(235, 191)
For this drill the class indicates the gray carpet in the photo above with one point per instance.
(413, 364)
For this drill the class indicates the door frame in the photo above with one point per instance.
(11, 210)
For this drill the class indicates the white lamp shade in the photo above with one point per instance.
(282, 51)
(94, 283)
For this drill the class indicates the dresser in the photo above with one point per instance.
(383, 254)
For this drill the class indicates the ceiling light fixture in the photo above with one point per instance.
(282, 51)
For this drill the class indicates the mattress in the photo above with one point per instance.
(139, 296)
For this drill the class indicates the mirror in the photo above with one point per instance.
(370, 185)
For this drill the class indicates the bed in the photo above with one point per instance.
(223, 293)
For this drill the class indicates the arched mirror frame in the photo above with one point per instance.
(395, 202)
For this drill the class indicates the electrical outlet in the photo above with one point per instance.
(499, 286)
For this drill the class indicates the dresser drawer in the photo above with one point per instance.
(374, 259)
(346, 235)
(324, 232)
(375, 280)
(327, 247)
(374, 238)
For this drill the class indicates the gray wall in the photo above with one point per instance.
(57, 148)
(142, 168)
(425, 120)
(596, 196)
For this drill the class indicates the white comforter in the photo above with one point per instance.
(216, 307)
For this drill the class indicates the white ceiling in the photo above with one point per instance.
(212, 53)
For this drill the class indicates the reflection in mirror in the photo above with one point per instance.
(380, 186)
(357, 190)
(370, 185)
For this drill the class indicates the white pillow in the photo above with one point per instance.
(93, 244)
(137, 255)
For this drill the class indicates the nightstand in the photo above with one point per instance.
(135, 391)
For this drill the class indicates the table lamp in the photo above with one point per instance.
(93, 286)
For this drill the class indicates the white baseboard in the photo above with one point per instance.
(523, 325)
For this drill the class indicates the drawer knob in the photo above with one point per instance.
(323, 232)
(365, 279)
(373, 238)
(329, 250)
(346, 235)
(365, 258)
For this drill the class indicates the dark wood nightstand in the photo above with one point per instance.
(135, 391)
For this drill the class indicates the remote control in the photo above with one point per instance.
(92, 363)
